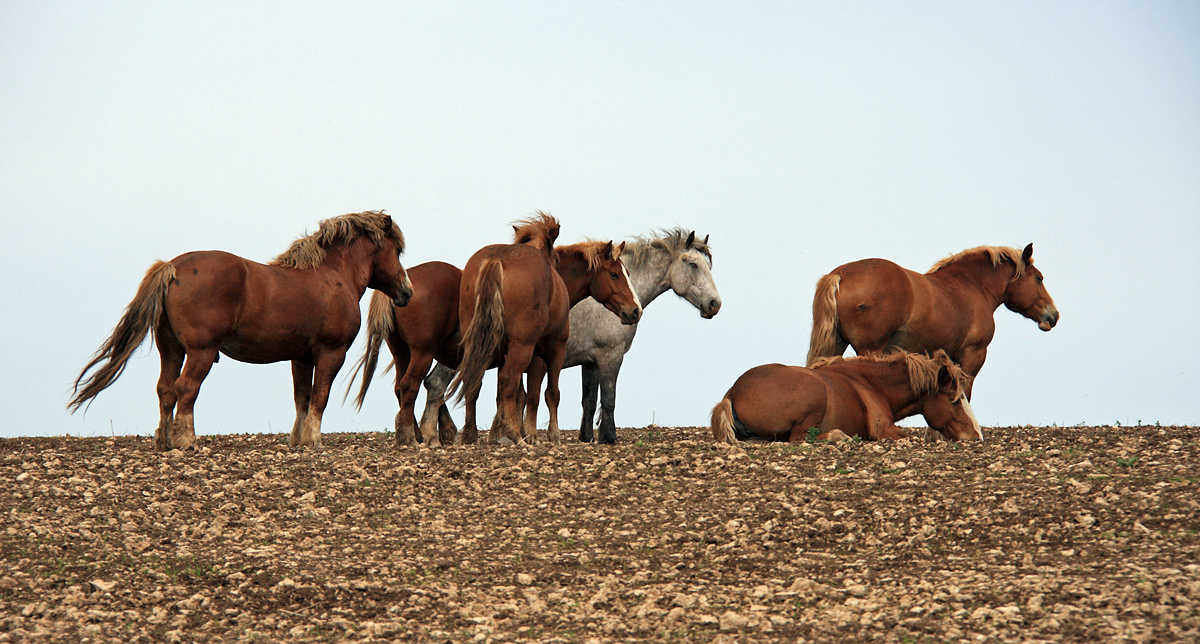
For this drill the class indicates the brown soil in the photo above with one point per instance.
(1040, 534)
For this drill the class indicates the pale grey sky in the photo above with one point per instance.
(800, 136)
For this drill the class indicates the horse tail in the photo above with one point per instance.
(824, 341)
(722, 422)
(483, 336)
(381, 321)
(140, 318)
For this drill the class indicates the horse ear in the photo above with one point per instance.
(706, 240)
(1027, 253)
(691, 239)
(387, 221)
(617, 250)
(554, 232)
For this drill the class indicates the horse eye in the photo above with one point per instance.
(614, 275)
(694, 266)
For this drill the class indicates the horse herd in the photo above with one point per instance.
(530, 308)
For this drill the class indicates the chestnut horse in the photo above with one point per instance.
(878, 307)
(861, 396)
(424, 330)
(513, 307)
(301, 307)
(589, 269)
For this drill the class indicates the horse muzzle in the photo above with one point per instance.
(631, 316)
(710, 310)
(1049, 319)
(402, 296)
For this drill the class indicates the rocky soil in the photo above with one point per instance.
(1077, 534)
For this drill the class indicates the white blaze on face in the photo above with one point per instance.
(636, 300)
(971, 413)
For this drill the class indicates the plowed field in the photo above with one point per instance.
(1077, 534)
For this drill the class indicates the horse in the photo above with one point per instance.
(861, 396)
(424, 330)
(301, 307)
(879, 307)
(592, 271)
(669, 260)
(513, 307)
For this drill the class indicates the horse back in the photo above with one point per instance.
(429, 322)
(772, 400)
(883, 306)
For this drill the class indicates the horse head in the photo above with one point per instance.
(1026, 294)
(608, 283)
(946, 409)
(387, 273)
(690, 276)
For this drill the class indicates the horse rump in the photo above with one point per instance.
(484, 334)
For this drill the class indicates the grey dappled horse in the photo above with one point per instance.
(670, 260)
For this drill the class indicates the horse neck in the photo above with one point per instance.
(891, 380)
(573, 269)
(352, 262)
(648, 276)
(979, 275)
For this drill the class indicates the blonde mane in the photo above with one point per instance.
(673, 241)
(591, 250)
(538, 230)
(309, 252)
(998, 255)
(923, 370)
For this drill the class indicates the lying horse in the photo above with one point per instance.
(301, 307)
(878, 307)
(861, 396)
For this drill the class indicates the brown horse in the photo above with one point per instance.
(860, 396)
(424, 330)
(589, 269)
(301, 307)
(878, 307)
(513, 306)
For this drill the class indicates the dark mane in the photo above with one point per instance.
(308, 252)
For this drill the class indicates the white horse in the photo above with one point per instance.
(671, 260)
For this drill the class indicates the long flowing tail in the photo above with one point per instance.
(141, 317)
(824, 341)
(722, 422)
(483, 336)
(381, 321)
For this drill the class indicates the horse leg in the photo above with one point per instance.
(302, 383)
(470, 434)
(406, 433)
(553, 395)
(406, 390)
(608, 403)
(328, 363)
(187, 387)
(971, 360)
(509, 390)
(591, 390)
(533, 377)
(891, 431)
(170, 353)
(436, 416)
